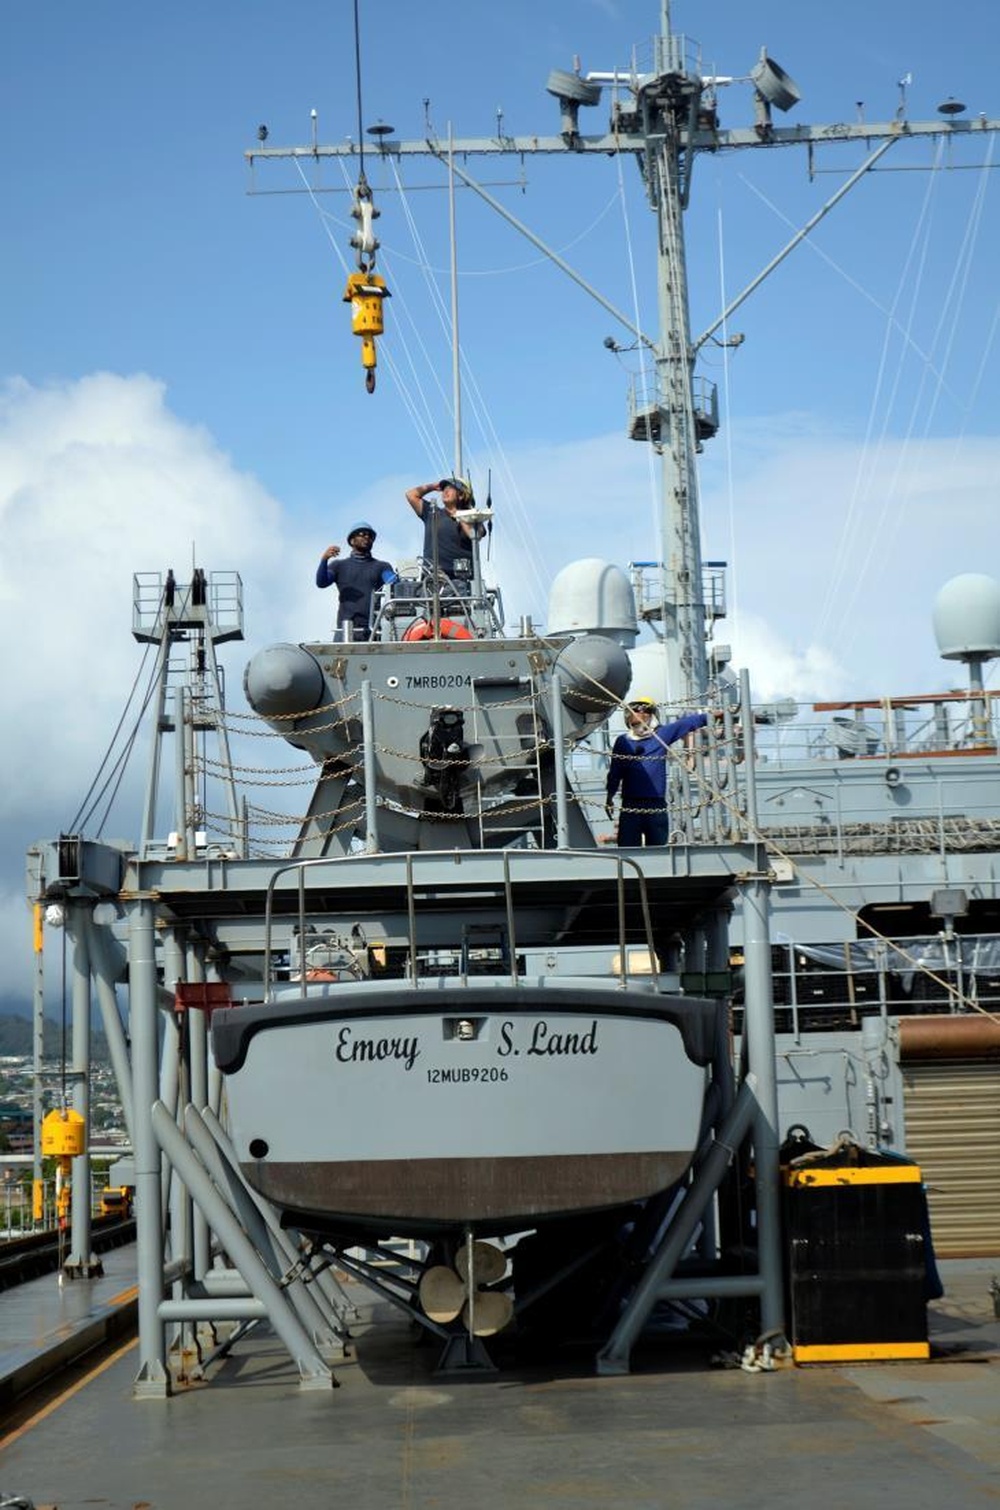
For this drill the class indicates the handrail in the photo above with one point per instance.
(412, 861)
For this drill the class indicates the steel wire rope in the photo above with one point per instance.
(437, 455)
(895, 497)
(478, 406)
(118, 771)
(419, 409)
(841, 271)
(80, 816)
(475, 272)
(973, 226)
(892, 491)
(958, 286)
(404, 393)
(734, 616)
(845, 539)
(651, 451)
(357, 88)
(481, 409)
(867, 466)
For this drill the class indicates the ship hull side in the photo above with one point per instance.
(559, 1102)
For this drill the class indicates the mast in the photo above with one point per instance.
(456, 372)
(664, 119)
(191, 618)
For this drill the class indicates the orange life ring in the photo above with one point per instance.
(423, 629)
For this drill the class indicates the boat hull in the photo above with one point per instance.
(491, 1108)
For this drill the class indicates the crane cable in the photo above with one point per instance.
(366, 291)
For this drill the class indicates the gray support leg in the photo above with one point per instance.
(197, 1025)
(152, 1380)
(81, 1258)
(104, 974)
(278, 1255)
(169, 1095)
(314, 1373)
(758, 1029)
(559, 745)
(38, 1049)
(337, 1299)
(614, 1357)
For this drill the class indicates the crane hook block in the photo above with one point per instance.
(365, 293)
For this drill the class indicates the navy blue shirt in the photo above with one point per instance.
(639, 766)
(357, 576)
(453, 544)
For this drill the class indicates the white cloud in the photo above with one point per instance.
(840, 550)
(98, 479)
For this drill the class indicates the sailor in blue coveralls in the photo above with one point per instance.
(357, 576)
(639, 767)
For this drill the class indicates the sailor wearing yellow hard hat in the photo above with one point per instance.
(639, 768)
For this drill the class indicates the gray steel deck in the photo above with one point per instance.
(676, 1433)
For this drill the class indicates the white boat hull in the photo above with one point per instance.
(397, 1120)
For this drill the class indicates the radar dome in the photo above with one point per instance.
(593, 597)
(967, 618)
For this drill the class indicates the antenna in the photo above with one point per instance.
(903, 85)
(456, 372)
(967, 628)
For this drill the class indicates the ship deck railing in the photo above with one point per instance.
(943, 725)
(834, 987)
(424, 884)
(417, 594)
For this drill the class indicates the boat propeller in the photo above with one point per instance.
(447, 1294)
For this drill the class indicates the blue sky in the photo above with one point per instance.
(178, 371)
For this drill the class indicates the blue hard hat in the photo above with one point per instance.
(363, 525)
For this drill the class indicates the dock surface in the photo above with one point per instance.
(677, 1432)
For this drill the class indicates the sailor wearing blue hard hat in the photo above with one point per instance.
(357, 576)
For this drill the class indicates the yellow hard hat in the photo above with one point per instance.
(641, 701)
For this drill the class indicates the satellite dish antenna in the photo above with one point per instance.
(967, 619)
(967, 628)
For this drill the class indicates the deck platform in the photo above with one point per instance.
(677, 1432)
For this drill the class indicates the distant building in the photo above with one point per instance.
(15, 1128)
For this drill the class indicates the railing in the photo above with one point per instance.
(947, 723)
(17, 1205)
(399, 604)
(827, 988)
(424, 870)
(215, 600)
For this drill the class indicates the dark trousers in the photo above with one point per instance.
(650, 825)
